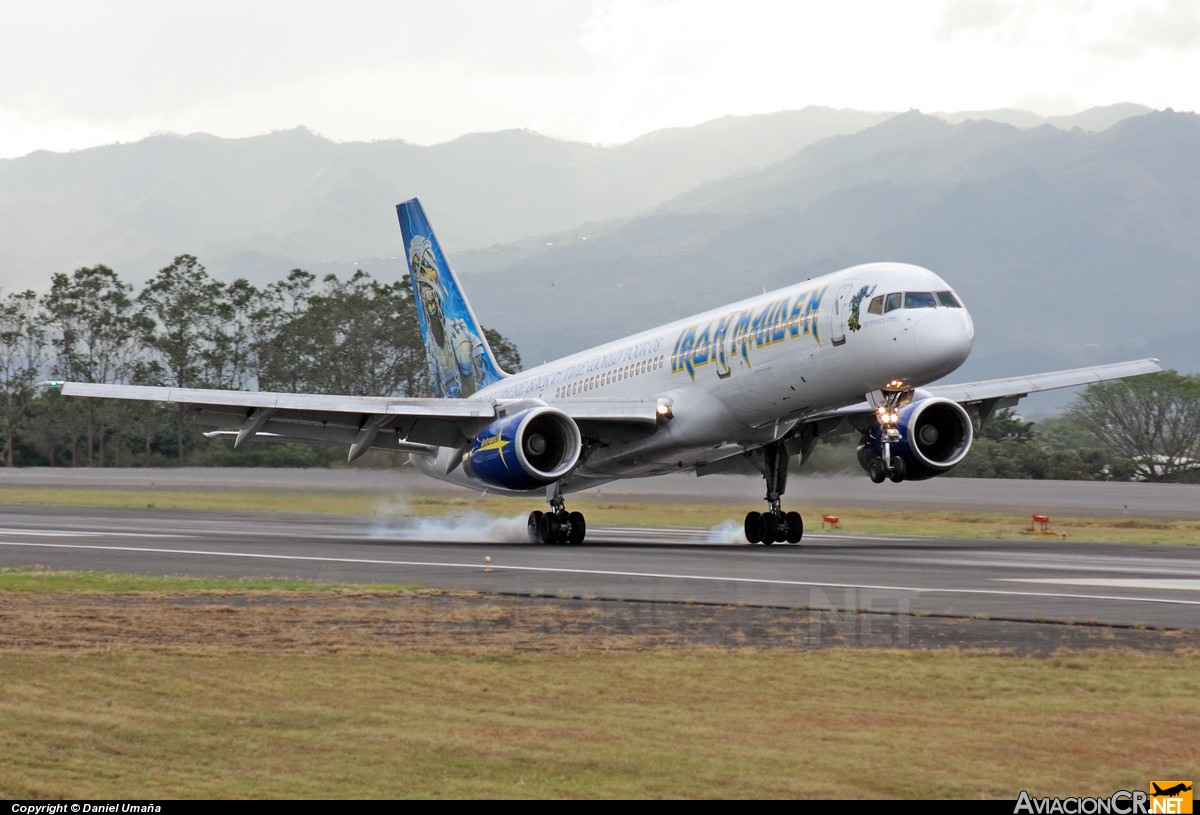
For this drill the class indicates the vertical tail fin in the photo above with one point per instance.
(460, 360)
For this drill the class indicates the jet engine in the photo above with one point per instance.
(525, 450)
(932, 435)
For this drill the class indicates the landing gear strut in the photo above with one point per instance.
(887, 465)
(556, 526)
(774, 524)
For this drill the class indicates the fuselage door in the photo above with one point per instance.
(837, 314)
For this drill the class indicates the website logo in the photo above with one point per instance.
(1163, 798)
(1170, 797)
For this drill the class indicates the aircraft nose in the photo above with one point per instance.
(943, 338)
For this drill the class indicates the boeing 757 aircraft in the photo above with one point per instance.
(748, 385)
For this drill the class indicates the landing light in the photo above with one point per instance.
(664, 410)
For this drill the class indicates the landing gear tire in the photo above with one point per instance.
(534, 525)
(898, 470)
(878, 471)
(795, 527)
(770, 529)
(548, 528)
(576, 528)
(754, 527)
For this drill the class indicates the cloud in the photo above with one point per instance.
(606, 70)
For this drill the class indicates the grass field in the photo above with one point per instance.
(117, 686)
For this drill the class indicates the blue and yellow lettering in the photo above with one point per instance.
(742, 336)
(811, 314)
(779, 322)
(797, 315)
(686, 343)
(761, 325)
(700, 355)
(718, 341)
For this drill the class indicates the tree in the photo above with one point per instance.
(239, 363)
(23, 355)
(94, 332)
(507, 355)
(283, 303)
(184, 324)
(356, 337)
(1152, 420)
(186, 327)
(1007, 426)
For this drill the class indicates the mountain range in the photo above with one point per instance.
(1073, 241)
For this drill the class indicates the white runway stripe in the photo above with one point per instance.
(1115, 582)
(500, 568)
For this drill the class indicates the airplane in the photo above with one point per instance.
(1170, 791)
(744, 387)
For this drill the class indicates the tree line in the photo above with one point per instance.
(184, 328)
(1146, 428)
(359, 336)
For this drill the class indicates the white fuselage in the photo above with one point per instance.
(744, 374)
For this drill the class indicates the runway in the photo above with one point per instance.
(1045, 580)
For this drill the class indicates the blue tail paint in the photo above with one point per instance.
(460, 360)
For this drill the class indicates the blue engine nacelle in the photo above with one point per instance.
(935, 435)
(526, 450)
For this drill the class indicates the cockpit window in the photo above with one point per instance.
(919, 299)
(947, 299)
(876, 306)
(893, 301)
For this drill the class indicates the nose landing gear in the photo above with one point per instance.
(888, 465)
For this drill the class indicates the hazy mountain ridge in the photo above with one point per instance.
(306, 200)
(1071, 246)
(264, 204)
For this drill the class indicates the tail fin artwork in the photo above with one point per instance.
(460, 360)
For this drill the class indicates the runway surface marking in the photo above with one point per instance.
(727, 533)
(477, 567)
(63, 533)
(1116, 583)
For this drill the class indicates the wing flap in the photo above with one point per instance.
(612, 420)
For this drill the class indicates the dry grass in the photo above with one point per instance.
(406, 694)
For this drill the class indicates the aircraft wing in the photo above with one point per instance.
(985, 397)
(990, 395)
(1016, 387)
(365, 422)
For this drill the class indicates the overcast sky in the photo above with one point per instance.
(75, 73)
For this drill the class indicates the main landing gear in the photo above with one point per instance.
(774, 525)
(556, 526)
